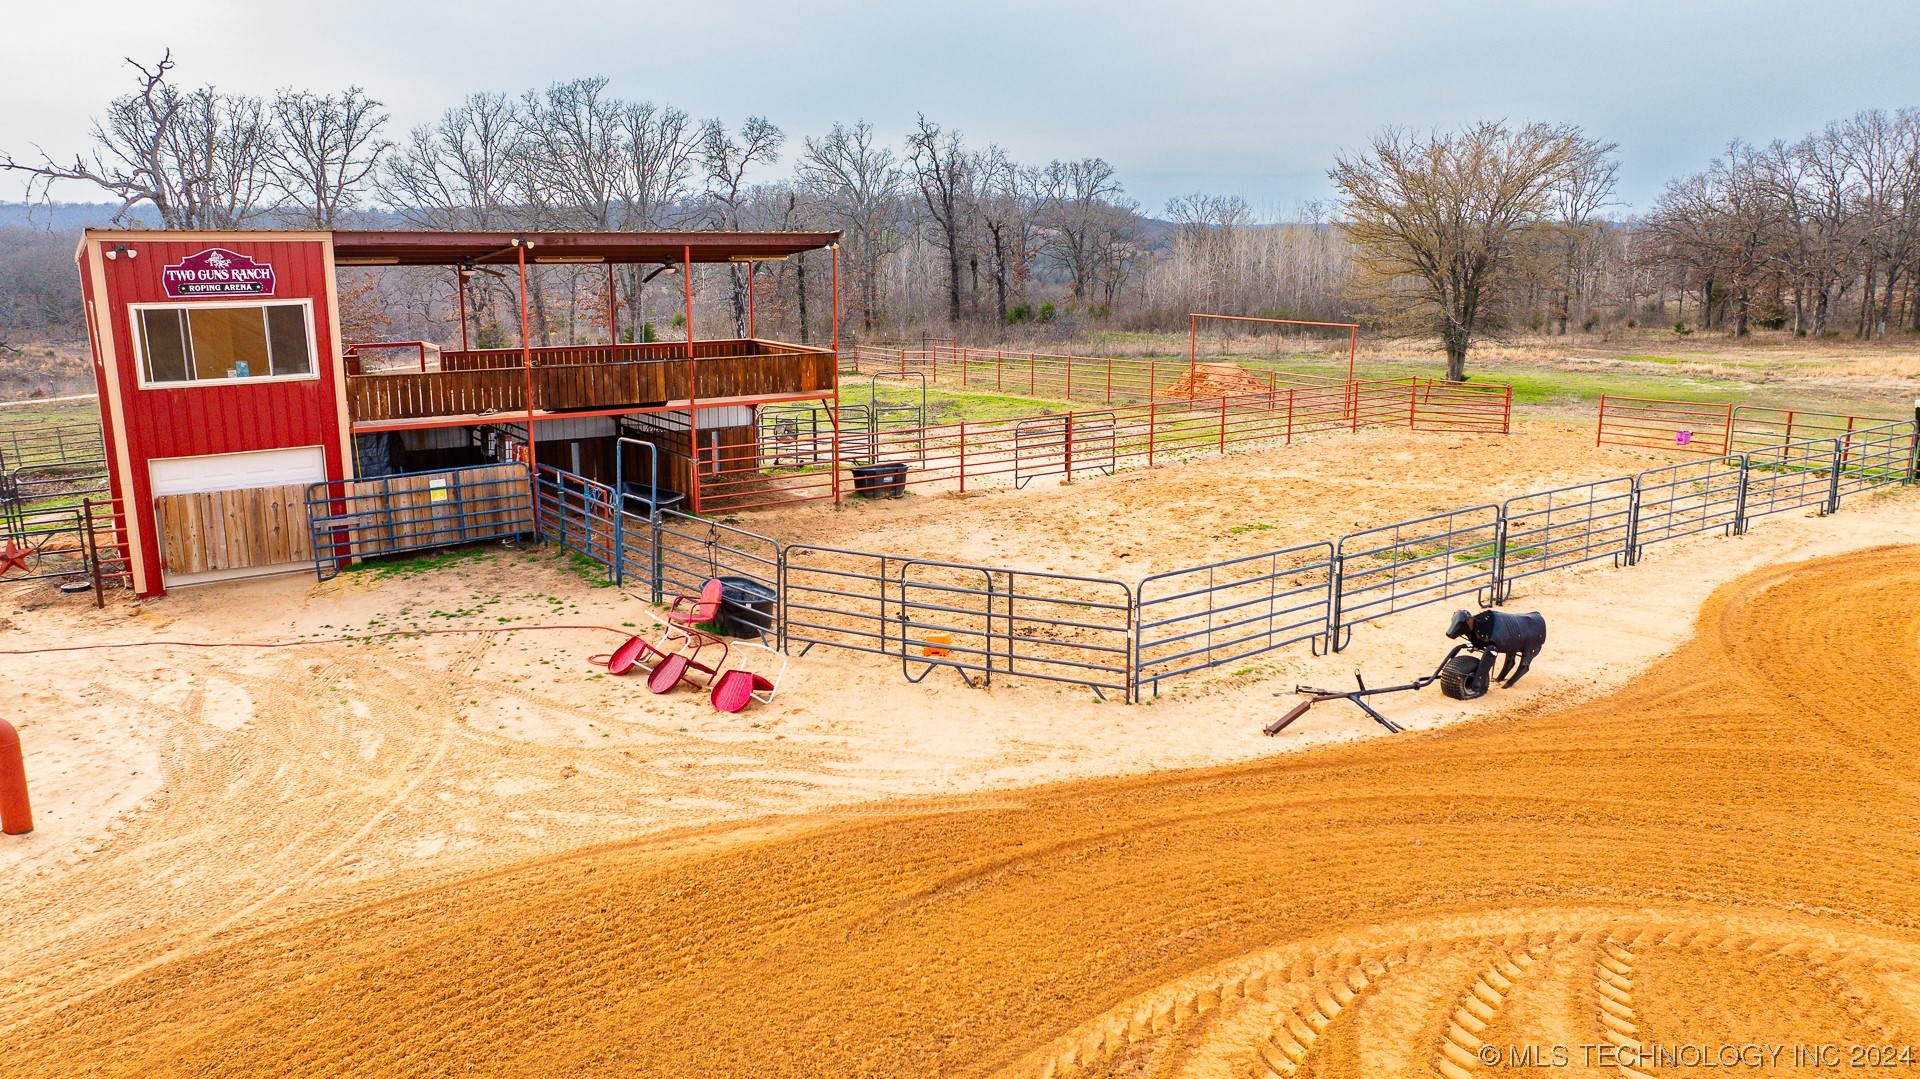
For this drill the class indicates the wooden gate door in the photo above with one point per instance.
(211, 532)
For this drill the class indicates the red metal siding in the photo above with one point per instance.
(207, 418)
(96, 325)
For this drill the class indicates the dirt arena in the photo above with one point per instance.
(1142, 522)
(1720, 852)
(472, 853)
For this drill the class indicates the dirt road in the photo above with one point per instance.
(1722, 852)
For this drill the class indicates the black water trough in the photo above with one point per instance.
(885, 480)
(747, 608)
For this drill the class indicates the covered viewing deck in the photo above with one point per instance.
(453, 388)
(426, 387)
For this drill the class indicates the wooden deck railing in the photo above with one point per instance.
(571, 355)
(589, 377)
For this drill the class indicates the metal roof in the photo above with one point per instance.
(407, 248)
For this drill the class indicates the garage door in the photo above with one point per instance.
(234, 514)
(228, 471)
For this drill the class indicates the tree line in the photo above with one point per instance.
(1819, 234)
(1490, 229)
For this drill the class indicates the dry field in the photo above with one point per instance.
(475, 854)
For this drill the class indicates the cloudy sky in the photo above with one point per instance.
(1244, 98)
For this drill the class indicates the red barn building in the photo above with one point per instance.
(226, 389)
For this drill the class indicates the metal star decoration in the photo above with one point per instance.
(14, 557)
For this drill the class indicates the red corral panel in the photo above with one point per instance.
(211, 417)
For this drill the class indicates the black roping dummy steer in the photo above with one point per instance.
(1518, 637)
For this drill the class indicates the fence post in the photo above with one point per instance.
(1413, 403)
(1632, 556)
(1833, 477)
(619, 533)
(1290, 417)
(1499, 556)
(1109, 380)
(658, 589)
(1069, 446)
(1913, 447)
(1600, 425)
(963, 457)
(1727, 438)
(1223, 425)
(999, 370)
(1069, 378)
(1033, 374)
(93, 554)
(780, 595)
(1153, 408)
(1336, 573)
(1740, 500)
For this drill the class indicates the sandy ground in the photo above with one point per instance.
(1718, 854)
(189, 800)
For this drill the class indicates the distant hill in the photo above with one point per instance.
(64, 217)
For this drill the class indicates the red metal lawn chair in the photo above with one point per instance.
(684, 617)
(686, 613)
(637, 651)
(739, 687)
(686, 664)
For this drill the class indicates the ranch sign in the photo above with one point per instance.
(217, 272)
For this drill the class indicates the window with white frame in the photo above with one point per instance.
(219, 342)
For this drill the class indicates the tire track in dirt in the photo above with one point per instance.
(300, 778)
(1723, 845)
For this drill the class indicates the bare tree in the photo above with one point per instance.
(325, 148)
(726, 160)
(858, 183)
(1076, 194)
(458, 173)
(1118, 233)
(1008, 203)
(1591, 179)
(1207, 230)
(657, 149)
(196, 156)
(941, 167)
(1435, 221)
(570, 168)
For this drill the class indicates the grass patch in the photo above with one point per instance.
(48, 414)
(415, 564)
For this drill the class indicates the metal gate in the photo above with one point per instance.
(354, 519)
(1398, 567)
(1056, 445)
(1564, 527)
(1790, 476)
(1191, 619)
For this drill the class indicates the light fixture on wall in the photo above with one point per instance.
(119, 249)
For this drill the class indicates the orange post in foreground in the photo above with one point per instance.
(16, 816)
